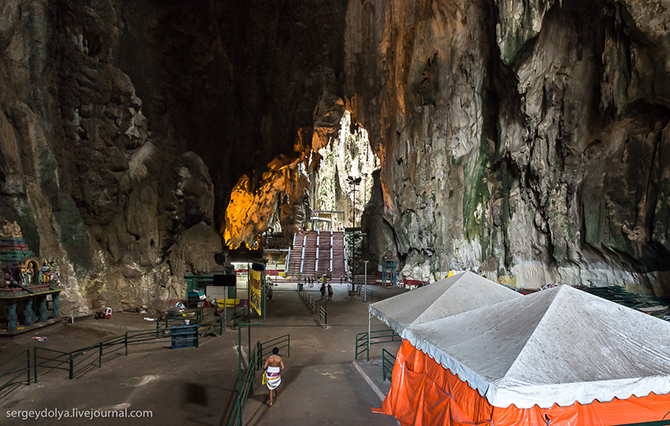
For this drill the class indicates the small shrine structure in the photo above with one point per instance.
(30, 289)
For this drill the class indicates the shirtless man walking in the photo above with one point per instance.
(273, 367)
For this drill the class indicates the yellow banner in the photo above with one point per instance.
(255, 290)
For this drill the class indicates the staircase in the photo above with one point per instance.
(318, 252)
(339, 261)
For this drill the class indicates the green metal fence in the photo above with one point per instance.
(371, 294)
(84, 359)
(144, 337)
(280, 342)
(180, 320)
(260, 352)
(49, 360)
(203, 318)
(79, 361)
(323, 316)
(114, 344)
(388, 361)
(377, 336)
(15, 370)
(215, 329)
(247, 386)
(309, 300)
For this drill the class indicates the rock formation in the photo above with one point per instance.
(526, 139)
(343, 180)
(81, 172)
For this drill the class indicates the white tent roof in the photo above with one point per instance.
(459, 293)
(557, 346)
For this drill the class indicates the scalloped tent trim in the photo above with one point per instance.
(424, 392)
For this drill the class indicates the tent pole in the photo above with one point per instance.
(369, 318)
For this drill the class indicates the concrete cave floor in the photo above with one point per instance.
(195, 386)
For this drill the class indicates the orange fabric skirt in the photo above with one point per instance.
(425, 393)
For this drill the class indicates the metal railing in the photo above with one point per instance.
(388, 361)
(113, 345)
(255, 364)
(83, 360)
(17, 368)
(247, 386)
(202, 319)
(376, 337)
(323, 316)
(50, 360)
(143, 337)
(180, 320)
(309, 300)
(79, 361)
(215, 329)
(279, 342)
(371, 294)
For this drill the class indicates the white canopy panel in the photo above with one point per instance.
(557, 346)
(459, 293)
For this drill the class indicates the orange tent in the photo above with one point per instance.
(612, 369)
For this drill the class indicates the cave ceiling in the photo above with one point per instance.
(527, 140)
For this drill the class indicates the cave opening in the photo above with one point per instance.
(341, 184)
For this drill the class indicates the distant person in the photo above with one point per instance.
(323, 291)
(330, 292)
(273, 367)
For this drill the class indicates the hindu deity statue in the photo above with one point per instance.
(46, 272)
(11, 230)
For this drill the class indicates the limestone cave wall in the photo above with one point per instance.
(126, 126)
(526, 140)
(82, 173)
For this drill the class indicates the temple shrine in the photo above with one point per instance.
(30, 290)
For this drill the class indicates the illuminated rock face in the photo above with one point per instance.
(126, 125)
(282, 201)
(343, 180)
(526, 139)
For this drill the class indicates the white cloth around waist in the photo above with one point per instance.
(273, 377)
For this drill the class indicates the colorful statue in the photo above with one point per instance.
(28, 277)
(29, 268)
(6, 229)
(11, 230)
(46, 271)
(54, 275)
